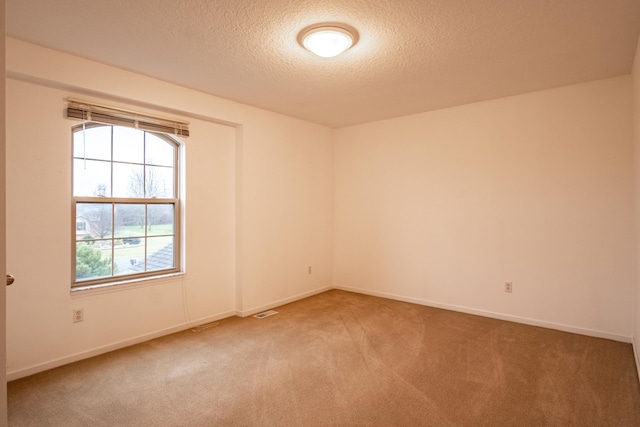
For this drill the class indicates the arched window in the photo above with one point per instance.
(125, 204)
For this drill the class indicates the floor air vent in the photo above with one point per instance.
(205, 326)
(265, 314)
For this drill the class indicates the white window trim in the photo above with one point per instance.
(144, 278)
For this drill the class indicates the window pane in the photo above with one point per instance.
(129, 221)
(93, 260)
(159, 182)
(128, 145)
(159, 253)
(116, 232)
(128, 180)
(97, 220)
(159, 151)
(92, 143)
(129, 258)
(160, 219)
(91, 178)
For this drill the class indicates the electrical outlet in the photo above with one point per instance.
(78, 315)
(508, 286)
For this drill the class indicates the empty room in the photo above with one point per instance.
(298, 213)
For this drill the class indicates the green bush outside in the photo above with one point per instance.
(90, 263)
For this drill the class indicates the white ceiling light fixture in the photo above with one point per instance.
(329, 39)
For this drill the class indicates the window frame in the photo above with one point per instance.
(176, 201)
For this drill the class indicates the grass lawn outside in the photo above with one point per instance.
(158, 236)
(138, 231)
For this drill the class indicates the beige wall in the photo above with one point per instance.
(438, 208)
(258, 212)
(442, 208)
(636, 141)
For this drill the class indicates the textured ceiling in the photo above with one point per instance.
(413, 55)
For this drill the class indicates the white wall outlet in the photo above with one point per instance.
(508, 286)
(78, 315)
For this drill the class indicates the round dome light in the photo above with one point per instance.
(327, 41)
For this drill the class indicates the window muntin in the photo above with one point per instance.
(125, 204)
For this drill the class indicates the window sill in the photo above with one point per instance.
(105, 288)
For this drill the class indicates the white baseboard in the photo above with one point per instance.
(244, 313)
(34, 369)
(491, 314)
(25, 372)
(252, 311)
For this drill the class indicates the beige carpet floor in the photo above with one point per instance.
(343, 359)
